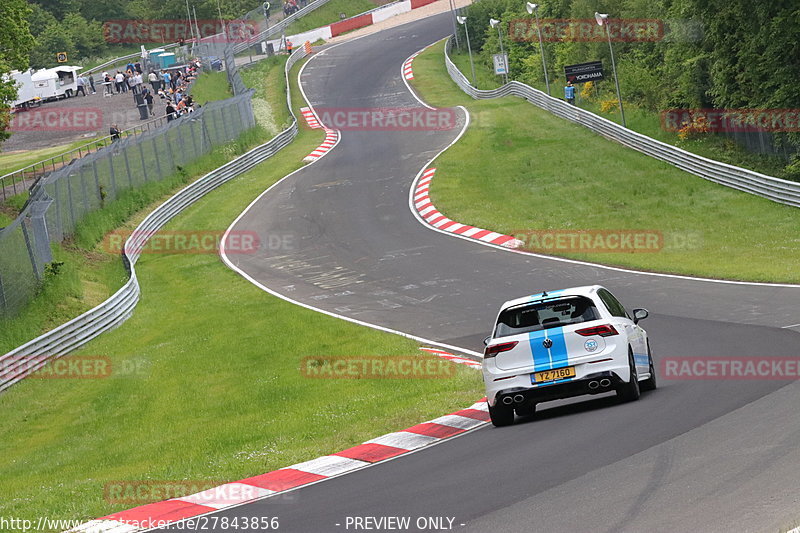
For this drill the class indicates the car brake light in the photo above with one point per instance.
(495, 349)
(606, 330)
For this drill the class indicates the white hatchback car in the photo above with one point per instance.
(564, 343)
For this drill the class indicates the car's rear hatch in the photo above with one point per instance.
(543, 332)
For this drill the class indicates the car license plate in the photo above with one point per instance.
(552, 375)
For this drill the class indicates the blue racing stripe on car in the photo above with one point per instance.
(548, 358)
(558, 351)
(541, 356)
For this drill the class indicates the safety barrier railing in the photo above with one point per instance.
(33, 355)
(772, 188)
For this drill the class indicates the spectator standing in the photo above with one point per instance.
(81, 81)
(139, 83)
(132, 83)
(91, 83)
(170, 111)
(107, 83)
(119, 78)
(166, 78)
(569, 93)
(114, 132)
(148, 98)
(154, 81)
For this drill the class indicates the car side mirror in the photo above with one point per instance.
(486, 340)
(639, 314)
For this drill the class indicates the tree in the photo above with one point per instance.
(86, 36)
(15, 43)
(54, 39)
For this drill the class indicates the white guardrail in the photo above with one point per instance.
(30, 357)
(775, 189)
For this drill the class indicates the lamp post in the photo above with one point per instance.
(602, 20)
(494, 23)
(463, 22)
(455, 28)
(534, 9)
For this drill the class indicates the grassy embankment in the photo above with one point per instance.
(208, 383)
(519, 168)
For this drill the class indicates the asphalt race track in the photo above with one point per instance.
(691, 456)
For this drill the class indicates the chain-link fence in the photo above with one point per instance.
(62, 199)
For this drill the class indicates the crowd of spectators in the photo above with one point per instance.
(169, 85)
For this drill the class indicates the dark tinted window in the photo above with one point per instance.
(613, 305)
(544, 315)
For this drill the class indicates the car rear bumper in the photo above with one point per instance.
(596, 383)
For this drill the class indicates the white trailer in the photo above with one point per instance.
(58, 82)
(25, 92)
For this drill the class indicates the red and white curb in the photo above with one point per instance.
(331, 138)
(452, 358)
(377, 450)
(311, 118)
(408, 64)
(358, 21)
(428, 212)
(408, 71)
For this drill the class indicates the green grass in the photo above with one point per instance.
(87, 278)
(217, 394)
(717, 147)
(11, 161)
(328, 14)
(519, 168)
(266, 77)
(210, 87)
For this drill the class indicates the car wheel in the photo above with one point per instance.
(526, 409)
(629, 392)
(501, 415)
(650, 383)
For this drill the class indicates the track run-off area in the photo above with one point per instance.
(692, 456)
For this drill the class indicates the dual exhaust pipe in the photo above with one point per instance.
(517, 398)
(593, 385)
(603, 383)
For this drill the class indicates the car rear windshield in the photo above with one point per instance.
(544, 315)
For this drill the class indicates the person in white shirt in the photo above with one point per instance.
(154, 81)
